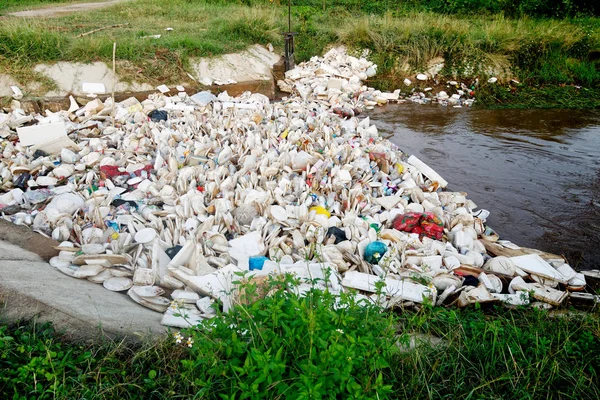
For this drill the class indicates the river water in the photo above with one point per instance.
(536, 171)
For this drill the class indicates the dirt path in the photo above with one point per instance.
(64, 9)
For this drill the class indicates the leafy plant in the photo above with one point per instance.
(301, 347)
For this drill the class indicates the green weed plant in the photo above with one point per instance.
(285, 345)
(278, 344)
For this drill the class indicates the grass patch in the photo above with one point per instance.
(547, 96)
(537, 52)
(284, 346)
(200, 29)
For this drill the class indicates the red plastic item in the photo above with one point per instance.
(424, 224)
(111, 171)
(406, 222)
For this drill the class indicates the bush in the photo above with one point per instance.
(287, 346)
(513, 8)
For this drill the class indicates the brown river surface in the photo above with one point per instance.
(536, 171)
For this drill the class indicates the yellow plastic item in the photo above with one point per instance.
(284, 134)
(320, 210)
(399, 168)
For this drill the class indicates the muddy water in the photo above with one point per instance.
(537, 171)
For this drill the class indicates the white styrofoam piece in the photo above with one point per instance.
(403, 289)
(427, 171)
(43, 133)
(539, 291)
(534, 264)
(451, 262)
(163, 89)
(218, 285)
(520, 298)
(407, 290)
(244, 247)
(186, 296)
(181, 318)
(93, 88)
(433, 262)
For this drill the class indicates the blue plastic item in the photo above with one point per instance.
(257, 262)
(374, 252)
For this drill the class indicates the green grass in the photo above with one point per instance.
(199, 30)
(549, 96)
(289, 347)
(545, 53)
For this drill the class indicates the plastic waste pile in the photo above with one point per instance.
(460, 94)
(338, 77)
(184, 193)
(463, 96)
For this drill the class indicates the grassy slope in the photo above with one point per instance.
(200, 30)
(495, 354)
(541, 54)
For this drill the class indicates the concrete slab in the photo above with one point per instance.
(10, 252)
(78, 308)
(251, 70)
(29, 241)
(6, 81)
(253, 64)
(69, 77)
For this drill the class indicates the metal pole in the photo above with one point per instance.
(114, 82)
(289, 41)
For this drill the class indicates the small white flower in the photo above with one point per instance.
(339, 331)
(178, 338)
(190, 342)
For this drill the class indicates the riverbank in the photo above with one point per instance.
(512, 354)
(538, 62)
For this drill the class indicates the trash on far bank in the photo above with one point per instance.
(163, 89)
(17, 94)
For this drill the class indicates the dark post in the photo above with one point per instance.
(289, 41)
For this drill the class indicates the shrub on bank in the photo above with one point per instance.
(315, 346)
(511, 8)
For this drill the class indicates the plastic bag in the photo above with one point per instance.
(426, 224)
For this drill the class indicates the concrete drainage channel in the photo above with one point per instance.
(255, 69)
(54, 104)
(31, 289)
